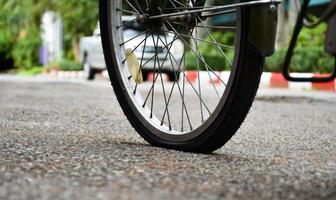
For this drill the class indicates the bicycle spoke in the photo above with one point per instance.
(213, 39)
(200, 57)
(218, 27)
(138, 47)
(138, 6)
(163, 89)
(205, 41)
(130, 5)
(184, 107)
(172, 3)
(166, 47)
(183, 83)
(175, 82)
(187, 79)
(126, 23)
(159, 52)
(178, 3)
(190, 83)
(141, 66)
(142, 56)
(127, 11)
(199, 83)
(154, 80)
(169, 98)
(121, 44)
(183, 94)
(212, 82)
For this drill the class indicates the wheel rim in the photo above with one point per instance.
(153, 110)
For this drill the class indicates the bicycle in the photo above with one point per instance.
(182, 114)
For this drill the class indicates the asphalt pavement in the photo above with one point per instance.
(68, 139)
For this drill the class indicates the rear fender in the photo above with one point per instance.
(263, 28)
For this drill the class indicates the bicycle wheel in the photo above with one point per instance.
(202, 109)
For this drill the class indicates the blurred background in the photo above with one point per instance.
(42, 35)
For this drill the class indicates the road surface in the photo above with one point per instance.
(64, 139)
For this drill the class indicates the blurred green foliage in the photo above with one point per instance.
(19, 35)
(20, 22)
(79, 19)
(31, 71)
(309, 55)
(69, 65)
(64, 65)
(212, 54)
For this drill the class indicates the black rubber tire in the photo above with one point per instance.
(233, 113)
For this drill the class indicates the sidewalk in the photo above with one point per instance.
(268, 80)
(102, 81)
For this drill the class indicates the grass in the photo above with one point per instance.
(30, 72)
(63, 65)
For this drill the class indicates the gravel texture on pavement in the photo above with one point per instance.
(69, 140)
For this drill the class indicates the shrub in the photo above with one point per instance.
(69, 65)
(31, 71)
(25, 49)
(308, 59)
(65, 65)
(309, 55)
(20, 27)
(19, 35)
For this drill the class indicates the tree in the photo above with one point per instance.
(20, 26)
(79, 19)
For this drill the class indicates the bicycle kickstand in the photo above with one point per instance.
(330, 44)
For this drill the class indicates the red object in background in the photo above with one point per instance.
(192, 76)
(278, 80)
(216, 79)
(150, 76)
(327, 86)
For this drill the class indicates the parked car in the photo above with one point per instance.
(92, 57)
(91, 54)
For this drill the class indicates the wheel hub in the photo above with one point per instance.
(181, 23)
